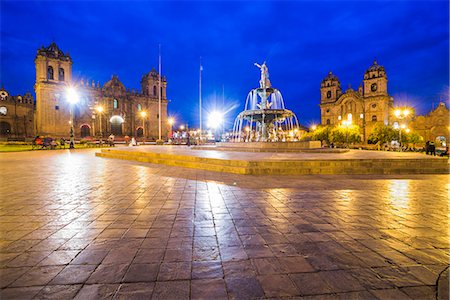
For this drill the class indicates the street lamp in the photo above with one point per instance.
(363, 120)
(143, 115)
(72, 98)
(99, 109)
(171, 121)
(347, 124)
(401, 114)
(313, 127)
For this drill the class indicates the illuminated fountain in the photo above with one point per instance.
(265, 119)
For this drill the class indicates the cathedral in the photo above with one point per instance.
(372, 104)
(100, 110)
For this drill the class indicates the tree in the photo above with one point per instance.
(382, 134)
(412, 138)
(345, 134)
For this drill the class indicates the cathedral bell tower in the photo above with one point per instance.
(53, 76)
(330, 89)
(375, 81)
(150, 83)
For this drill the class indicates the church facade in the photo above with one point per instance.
(372, 104)
(101, 110)
(369, 105)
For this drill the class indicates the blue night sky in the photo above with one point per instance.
(300, 40)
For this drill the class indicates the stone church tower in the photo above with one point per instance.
(53, 76)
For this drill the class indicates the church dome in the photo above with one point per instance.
(330, 77)
(375, 67)
(114, 85)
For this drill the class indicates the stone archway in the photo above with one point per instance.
(116, 125)
(85, 130)
(5, 128)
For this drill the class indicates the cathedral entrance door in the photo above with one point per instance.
(116, 125)
(85, 131)
(5, 128)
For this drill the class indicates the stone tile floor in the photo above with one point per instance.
(76, 226)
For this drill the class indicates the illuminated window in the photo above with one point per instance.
(49, 72)
(374, 118)
(116, 104)
(139, 107)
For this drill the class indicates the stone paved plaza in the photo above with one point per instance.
(78, 226)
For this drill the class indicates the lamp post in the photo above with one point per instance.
(171, 121)
(99, 109)
(347, 124)
(363, 119)
(401, 114)
(72, 98)
(143, 115)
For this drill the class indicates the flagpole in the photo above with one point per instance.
(200, 98)
(159, 93)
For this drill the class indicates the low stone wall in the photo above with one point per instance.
(276, 145)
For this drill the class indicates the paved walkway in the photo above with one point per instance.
(77, 226)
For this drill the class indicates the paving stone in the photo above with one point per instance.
(176, 290)
(58, 292)
(135, 291)
(37, 276)
(107, 273)
(208, 289)
(97, 291)
(73, 274)
(278, 286)
(174, 271)
(141, 273)
(244, 288)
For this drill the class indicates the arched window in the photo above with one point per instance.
(139, 107)
(374, 118)
(50, 72)
(328, 121)
(154, 90)
(61, 74)
(116, 104)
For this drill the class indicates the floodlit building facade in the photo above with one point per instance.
(100, 110)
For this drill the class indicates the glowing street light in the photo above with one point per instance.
(401, 114)
(143, 115)
(171, 121)
(215, 119)
(313, 127)
(347, 124)
(72, 98)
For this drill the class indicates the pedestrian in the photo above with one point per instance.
(111, 140)
(188, 139)
(432, 149)
(62, 143)
(427, 147)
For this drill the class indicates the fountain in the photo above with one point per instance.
(266, 120)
